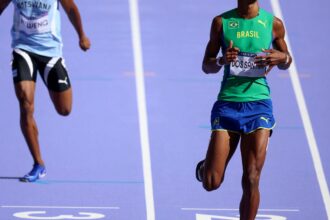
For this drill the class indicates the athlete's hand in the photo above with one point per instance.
(84, 43)
(271, 57)
(231, 53)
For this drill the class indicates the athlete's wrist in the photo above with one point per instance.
(220, 62)
(287, 59)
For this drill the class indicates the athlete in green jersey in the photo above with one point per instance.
(243, 111)
(243, 79)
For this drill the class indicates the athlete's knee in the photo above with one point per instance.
(212, 181)
(62, 101)
(25, 99)
(63, 110)
(26, 113)
(26, 107)
(250, 180)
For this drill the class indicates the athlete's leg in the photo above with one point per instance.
(58, 83)
(221, 148)
(25, 95)
(253, 150)
(62, 101)
(24, 76)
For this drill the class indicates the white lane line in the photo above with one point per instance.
(305, 118)
(223, 209)
(56, 207)
(142, 107)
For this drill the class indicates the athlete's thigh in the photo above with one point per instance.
(221, 148)
(54, 74)
(24, 91)
(24, 70)
(55, 77)
(253, 149)
(24, 67)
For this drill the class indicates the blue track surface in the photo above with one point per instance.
(94, 157)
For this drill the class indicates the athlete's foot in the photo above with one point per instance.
(38, 171)
(199, 170)
(39, 161)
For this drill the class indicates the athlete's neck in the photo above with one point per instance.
(247, 8)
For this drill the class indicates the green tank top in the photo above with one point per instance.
(243, 81)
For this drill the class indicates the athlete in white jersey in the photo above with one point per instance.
(37, 47)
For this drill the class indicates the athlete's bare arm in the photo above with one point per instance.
(72, 11)
(280, 45)
(3, 5)
(213, 47)
(278, 56)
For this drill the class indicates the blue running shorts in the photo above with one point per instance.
(242, 117)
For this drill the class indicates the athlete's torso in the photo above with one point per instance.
(36, 27)
(243, 81)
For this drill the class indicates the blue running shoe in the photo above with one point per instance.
(198, 171)
(37, 172)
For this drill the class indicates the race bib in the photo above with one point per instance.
(34, 26)
(245, 65)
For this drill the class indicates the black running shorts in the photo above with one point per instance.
(25, 66)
